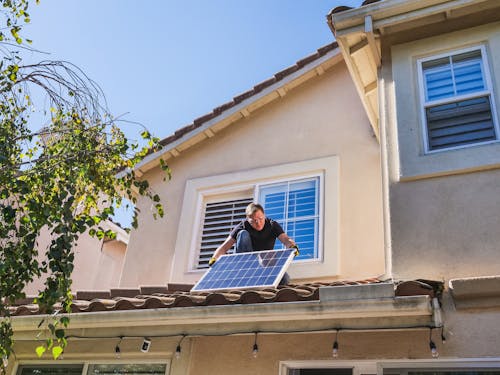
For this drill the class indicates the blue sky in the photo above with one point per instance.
(167, 62)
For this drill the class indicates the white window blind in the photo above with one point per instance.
(219, 219)
(457, 101)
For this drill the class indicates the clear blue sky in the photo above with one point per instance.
(167, 62)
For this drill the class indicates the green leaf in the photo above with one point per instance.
(59, 333)
(57, 351)
(40, 350)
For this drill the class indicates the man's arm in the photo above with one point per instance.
(285, 240)
(222, 249)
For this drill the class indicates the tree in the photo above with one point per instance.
(67, 176)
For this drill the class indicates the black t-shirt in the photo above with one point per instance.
(263, 239)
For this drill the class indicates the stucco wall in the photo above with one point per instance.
(445, 226)
(98, 265)
(233, 354)
(414, 162)
(322, 118)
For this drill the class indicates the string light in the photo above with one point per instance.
(255, 350)
(335, 347)
(432, 346)
(178, 348)
(5, 361)
(443, 337)
(117, 348)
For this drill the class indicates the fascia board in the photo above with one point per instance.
(330, 59)
(396, 313)
(392, 12)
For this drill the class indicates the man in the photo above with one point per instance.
(256, 233)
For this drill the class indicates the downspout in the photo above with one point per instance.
(384, 161)
(384, 158)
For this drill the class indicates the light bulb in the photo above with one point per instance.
(255, 350)
(117, 351)
(178, 352)
(335, 349)
(5, 361)
(434, 351)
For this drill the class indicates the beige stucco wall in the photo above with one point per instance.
(230, 355)
(321, 118)
(98, 265)
(445, 226)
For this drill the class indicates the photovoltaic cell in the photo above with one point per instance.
(258, 269)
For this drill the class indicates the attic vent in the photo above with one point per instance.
(219, 220)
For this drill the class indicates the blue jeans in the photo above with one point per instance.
(244, 245)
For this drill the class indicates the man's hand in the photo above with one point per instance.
(296, 252)
(211, 261)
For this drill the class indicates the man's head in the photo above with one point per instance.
(255, 216)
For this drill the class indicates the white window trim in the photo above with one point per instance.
(198, 189)
(358, 367)
(489, 91)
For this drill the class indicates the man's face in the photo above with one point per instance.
(257, 220)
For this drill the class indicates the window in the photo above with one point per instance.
(50, 369)
(295, 205)
(321, 371)
(219, 218)
(440, 371)
(457, 100)
(102, 369)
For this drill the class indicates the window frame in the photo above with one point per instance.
(488, 91)
(217, 195)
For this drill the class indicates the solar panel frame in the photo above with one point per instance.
(251, 270)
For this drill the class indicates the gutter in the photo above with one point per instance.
(338, 308)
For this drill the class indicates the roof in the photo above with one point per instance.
(342, 8)
(179, 296)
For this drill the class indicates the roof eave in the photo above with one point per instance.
(366, 314)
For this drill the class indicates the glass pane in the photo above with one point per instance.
(50, 370)
(304, 234)
(469, 77)
(460, 74)
(132, 369)
(439, 84)
(302, 199)
(273, 199)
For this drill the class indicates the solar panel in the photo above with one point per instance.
(258, 269)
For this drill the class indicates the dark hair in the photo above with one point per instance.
(253, 208)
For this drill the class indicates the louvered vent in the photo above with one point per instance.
(220, 219)
(460, 123)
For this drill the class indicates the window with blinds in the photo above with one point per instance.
(219, 219)
(457, 100)
(295, 205)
